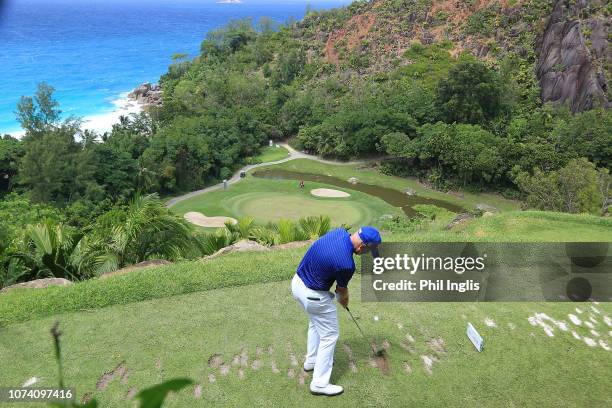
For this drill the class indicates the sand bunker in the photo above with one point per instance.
(328, 192)
(201, 220)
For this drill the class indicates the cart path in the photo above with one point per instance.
(293, 155)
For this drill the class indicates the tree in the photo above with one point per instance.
(39, 113)
(11, 151)
(587, 134)
(180, 154)
(475, 155)
(288, 66)
(48, 168)
(472, 93)
(17, 211)
(575, 188)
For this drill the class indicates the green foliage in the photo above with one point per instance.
(179, 278)
(17, 211)
(145, 230)
(51, 169)
(11, 151)
(217, 240)
(289, 231)
(270, 234)
(467, 153)
(47, 250)
(314, 227)
(428, 64)
(39, 113)
(587, 134)
(241, 229)
(575, 188)
(472, 93)
(483, 22)
(267, 236)
(288, 66)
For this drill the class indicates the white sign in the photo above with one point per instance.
(475, 338)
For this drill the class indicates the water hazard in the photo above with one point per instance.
(394, 197)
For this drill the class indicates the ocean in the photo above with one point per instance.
(93, 52)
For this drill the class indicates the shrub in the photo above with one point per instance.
(574, 188)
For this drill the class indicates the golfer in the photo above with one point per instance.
(328, 260)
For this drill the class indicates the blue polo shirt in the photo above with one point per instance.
(328, 260)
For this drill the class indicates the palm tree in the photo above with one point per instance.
(46, 250)
(241, 229)
(314, 226)
(149, 231)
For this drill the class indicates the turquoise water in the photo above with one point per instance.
(92, 51)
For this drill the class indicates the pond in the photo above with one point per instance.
(394, 197)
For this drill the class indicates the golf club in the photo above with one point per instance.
(374, 350)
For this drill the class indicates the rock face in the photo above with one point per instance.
(240, 246)
(569, 71)
(294, 244)
(459, 219)
(38, 283)
(147, 95)
(486, 208)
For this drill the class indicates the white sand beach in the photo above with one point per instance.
(104, 122)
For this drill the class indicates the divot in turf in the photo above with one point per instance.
(215, 361)
(437, 345)
(349, 353)
(197, 391)
(428, 363)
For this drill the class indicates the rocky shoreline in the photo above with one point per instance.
(147, 95)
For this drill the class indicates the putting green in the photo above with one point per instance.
(272, 200)
(276, 206)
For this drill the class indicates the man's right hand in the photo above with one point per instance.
(343, 296)
(344, 301)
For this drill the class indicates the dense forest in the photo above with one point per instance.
(450, 92)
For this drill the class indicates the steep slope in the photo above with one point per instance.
(568, 69)
(566, 43)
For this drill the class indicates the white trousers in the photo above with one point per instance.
(322, 329)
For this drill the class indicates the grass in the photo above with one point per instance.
(512, 226)
(271, 200)
(373, 176)
(167, 321)
(275, 265)
(175, 336)
(270, 154)
(151, 283)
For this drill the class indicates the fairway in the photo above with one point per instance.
(244, 346)
(271, 200)
(270, 154)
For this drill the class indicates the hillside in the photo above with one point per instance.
(443, 96)
(237, 333)
(567, 41)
